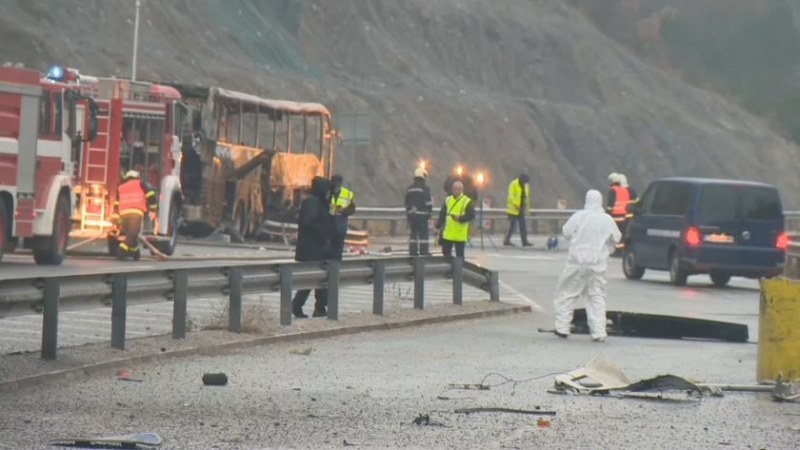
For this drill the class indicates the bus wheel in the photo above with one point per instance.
(53, 252)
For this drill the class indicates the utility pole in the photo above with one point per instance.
(135, 40)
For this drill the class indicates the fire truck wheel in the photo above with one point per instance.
(168, 247)
(53, 252)
(3, 227)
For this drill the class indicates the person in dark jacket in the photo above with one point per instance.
(314, 242)
(343, 205)
(418, 211)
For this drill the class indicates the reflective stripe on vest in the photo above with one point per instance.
(343, 200)
(456, 231)
(621, 199)
(132, 197)
(515, 201)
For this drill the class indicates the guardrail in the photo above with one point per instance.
(535, 219)
(51, 294)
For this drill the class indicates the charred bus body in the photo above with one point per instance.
(248, 158)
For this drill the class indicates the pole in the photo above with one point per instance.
(480, 199)
(135, 40)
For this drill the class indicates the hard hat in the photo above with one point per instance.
(613, 177)
(131, 174)
(420, 173)
(623, 180)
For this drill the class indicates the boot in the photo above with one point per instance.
(320, 313)
(297, 310)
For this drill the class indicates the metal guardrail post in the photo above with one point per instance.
(235, 300)
(494, 286)
(286, 294)
(333, 289)
(419, 282)
(181, 289)
(52, 291)
(119, 304)
(378, 282)
(458, 281)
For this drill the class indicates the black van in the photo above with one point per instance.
(690, 226)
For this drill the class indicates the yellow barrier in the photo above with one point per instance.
(779, 330)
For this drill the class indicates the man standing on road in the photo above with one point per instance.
(343, 206)
(592, 235)
(454, 218)
(314, 242)
(518, 204)
(418, 211)
(134, 199)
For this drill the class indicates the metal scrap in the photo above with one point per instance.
(535, 412)
(786, 391)
(631, 324)
(601, 376)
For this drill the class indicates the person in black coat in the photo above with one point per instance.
(314, 242)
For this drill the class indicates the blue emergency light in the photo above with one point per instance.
(56, 73)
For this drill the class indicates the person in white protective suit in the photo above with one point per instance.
(592, 235)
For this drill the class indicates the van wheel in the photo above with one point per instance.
(3, 227)
(677, 276)
(720, 279)
(56, 246)
(631, 268)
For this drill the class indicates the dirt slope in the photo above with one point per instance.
(505, 85)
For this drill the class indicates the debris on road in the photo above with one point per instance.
(303, 352)
(468, 386)
(601, 376)
(125, 375)
(785, 391)
(425, 419)
(543, 423)
(132, 441)
(534, 412)
(664, 327)
(215, 379)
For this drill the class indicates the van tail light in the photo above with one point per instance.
(782, 243)
(693, 237)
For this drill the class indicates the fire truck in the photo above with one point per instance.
(138, 128)
(43, 126)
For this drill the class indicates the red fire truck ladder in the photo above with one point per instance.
(94, 174)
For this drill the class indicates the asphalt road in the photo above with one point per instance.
(367, 389)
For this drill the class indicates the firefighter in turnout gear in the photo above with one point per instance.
(342, 206)
(134, 199)
(454, 218)
(418, 212)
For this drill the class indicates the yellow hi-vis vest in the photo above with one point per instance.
(515, 200)
(343, 200)
(455, 231)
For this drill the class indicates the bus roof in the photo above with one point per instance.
(285, 106)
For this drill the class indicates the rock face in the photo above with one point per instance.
(503, 86)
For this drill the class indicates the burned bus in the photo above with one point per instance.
(249, 158)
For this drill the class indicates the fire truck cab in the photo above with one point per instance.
(43, 126)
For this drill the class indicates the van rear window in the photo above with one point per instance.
(725, 203)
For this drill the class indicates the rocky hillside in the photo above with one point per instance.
(505, 85)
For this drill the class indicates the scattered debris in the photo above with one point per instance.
(125, 375)
(348, 444)
(130, 441)
(303, 352)
(601, 376)
(786, 391)
(425, 419)
(543, 423)
(665, 327)
(535, 412)
(215, 379)
(442, 397)
(163, 349)
(469, 386)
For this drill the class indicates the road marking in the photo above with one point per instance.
(529, 257)
(535, 306)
